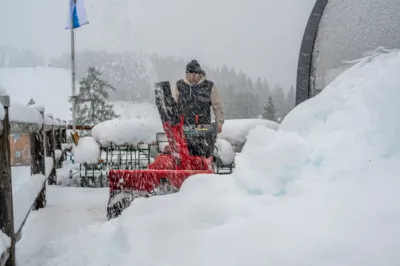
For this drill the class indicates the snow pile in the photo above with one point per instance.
(87, 151)
(225, 151)
(58, 154)
(25, 197)
(127, 131)
(235, 131)
(64, 174)
(138, 122)
(322, 190)
(22, 114)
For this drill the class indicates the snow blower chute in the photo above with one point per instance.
(170, 169)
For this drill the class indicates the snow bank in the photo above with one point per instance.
(87, 151)
(225, 151)
(322, 190)
(22, 114)
(235, 131)
(24, 198)
(127, 131)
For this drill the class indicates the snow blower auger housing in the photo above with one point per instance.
(170, 169)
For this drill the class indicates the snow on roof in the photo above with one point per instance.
(235, 131)
(22, 114)
(50, 87)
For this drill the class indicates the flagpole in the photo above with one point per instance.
(73, 96)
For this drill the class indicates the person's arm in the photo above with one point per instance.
(218, 107)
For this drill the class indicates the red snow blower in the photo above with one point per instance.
(171, 168)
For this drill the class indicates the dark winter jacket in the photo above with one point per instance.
(198, 100)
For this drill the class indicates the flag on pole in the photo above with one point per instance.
(77, 13)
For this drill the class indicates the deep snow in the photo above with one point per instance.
(322, 190)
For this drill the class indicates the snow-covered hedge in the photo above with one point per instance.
(127, 131)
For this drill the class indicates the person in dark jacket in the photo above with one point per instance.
(196, 96)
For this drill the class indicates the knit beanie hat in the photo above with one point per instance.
(194, 67)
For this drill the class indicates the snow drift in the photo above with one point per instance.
(87, 151)
(322, 190)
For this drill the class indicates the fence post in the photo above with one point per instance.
(52, 150)
(6, 198)
(38, 158)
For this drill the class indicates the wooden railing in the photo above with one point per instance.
(46, 156)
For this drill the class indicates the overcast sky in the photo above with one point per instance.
(260, 37)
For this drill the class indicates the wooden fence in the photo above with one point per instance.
(46, 156)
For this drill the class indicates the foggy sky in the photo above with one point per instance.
(260, 37)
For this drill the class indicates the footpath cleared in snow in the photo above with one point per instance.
(322, 190)
(68, 210)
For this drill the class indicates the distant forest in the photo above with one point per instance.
(134, 75)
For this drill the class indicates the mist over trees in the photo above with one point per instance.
(133, 75)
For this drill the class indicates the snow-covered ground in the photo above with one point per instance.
(68, 210)
(322, 190)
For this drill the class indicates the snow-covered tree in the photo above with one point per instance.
(278, 96)
(269, 110)
(31, 102)
(92, 107)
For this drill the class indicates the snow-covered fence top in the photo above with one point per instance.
(29, 118)
(2, 113)
(127, 131)
(235, 131)
(55, 123)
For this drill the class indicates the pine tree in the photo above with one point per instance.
(269, 110)
(278, 96)
(92, 107)
(31, 102)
